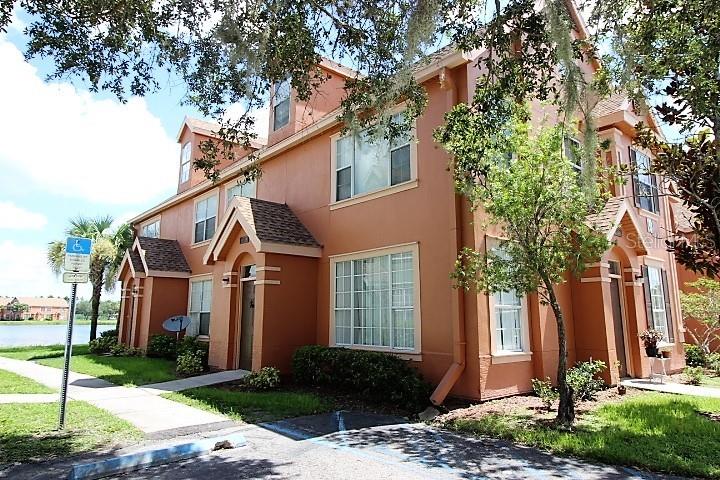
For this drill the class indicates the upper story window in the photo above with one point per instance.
(375, 302)
(364, 164)
(185, 156)
(644, 183)
(205, 218)
(151, 230)
(281, 104)
(572, 153)
(246, 189)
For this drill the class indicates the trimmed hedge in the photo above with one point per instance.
(162, 346)
(377, 377)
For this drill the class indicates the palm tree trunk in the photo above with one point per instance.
(97, 287)
(566, 409)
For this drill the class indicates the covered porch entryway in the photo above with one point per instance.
(265, 296)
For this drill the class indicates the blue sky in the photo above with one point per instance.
(67, 152)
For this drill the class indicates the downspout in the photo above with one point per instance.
(457, 368)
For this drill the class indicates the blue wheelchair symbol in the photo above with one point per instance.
(78, 245)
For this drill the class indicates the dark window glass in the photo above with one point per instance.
(400, 165)
(209, 228)
(205, 323)
(344, 178)
(281, 114)
(199, 230)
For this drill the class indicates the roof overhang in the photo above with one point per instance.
(230, 221)
(626, 219)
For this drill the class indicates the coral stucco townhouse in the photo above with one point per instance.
(348, 243)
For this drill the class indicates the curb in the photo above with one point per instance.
(158, 456)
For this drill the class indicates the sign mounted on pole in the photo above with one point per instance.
(77, 255)
(77, 268)
(74, 277)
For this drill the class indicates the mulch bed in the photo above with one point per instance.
(530, 404)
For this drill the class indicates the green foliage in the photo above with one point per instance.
(190, 363)
(694, 355)
(376, 377)
(581, 379)
(545, 390)
(713, 362)
(267, 378)
(694, 375)
(194, 346)
(105, 343)
(702, 304)
(162, 346)
(122, 350)
(614, 433)
(666, 51)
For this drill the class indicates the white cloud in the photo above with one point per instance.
(17, 218)
(25, 273)
(73, 144)
(261, 115)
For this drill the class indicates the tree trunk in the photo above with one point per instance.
(566, 409)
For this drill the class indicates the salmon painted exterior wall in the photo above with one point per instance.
(293, 294)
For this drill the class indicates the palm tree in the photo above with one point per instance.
(107, 252)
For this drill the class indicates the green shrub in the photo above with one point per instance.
(544, 389)
(121, 350)
(189, 363)
(193, 345)
(693, 375)
(713, 362)
(581, 378)
(375, 376)
(268, 378)
(104, 343)
(694, 356)
(162, 346)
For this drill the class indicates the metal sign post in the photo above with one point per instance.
(77, 264)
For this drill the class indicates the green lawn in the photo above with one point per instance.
(252, 407)
(13, 383)
(27, 431)
(658, 432)
(711, 382)
(118, 370)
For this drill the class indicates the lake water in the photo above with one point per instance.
(22, 335)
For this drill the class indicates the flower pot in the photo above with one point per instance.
(651, 351)
(666, 353)
(621, 389)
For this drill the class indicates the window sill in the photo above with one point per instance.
(200, 244)
(511, 357)
(414, 356)
(648, 213)
(401, 187)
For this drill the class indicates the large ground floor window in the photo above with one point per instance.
(375, 300)
(200, 302)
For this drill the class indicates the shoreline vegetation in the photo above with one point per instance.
(78, 321)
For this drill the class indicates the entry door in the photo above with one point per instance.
(247, 324)
(618, 325)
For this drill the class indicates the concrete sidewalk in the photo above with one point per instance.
(150, 413)
(194, 382)
(678, 388)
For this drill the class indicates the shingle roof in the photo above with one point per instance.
(275, 222)
(605, 219)
(136, 261)
(163, 255)
(614, 103)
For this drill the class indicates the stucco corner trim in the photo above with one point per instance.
(500, 358)
(267, 282)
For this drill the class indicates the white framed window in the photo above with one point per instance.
(185, 157)
(246, 189)
(205, 219)
(657, 301)
(364, 164)
(281, 104)
(571, 148)
(375, 300)
(509, 320)
(151, 230)
(200, 306)
(644, 182)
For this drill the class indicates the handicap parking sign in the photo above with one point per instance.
(78, 245)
